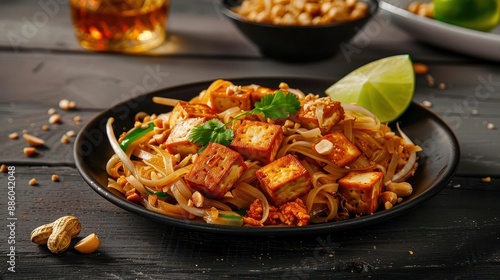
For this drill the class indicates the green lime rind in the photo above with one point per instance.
(482, 15)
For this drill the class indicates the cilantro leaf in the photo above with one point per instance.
(278, 105)
(273, 106)
(211, 131)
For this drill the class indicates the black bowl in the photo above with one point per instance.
(298, 43)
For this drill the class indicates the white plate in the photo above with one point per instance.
(484, 45)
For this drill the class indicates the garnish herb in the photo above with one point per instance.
(162, 194)
(272, 106)
(134, 135)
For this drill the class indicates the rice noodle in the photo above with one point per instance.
(116, 147)
(252, 191)
(411, 159)
(183, 202)
(148, 168)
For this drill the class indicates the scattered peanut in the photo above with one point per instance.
(55, 178)
(486, 179)
(77, 120)
(430, 80)
(490, 126)
(33, 182)
(64, 104)
(51, 111)
(40, 235)
(420, 68)
(55, 118)
(14, 135)
(88, 245)
(401, 189)
(57, 235)
(4, 168)
(45, 127)
(71, 133)
(427, 104)
(65, 139)
(33, 140)
(442, 86)
(29, 151)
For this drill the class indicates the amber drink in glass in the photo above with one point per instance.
(128, 26)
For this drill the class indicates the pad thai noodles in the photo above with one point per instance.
(249, 155)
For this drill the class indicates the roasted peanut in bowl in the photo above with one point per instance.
(299, 30)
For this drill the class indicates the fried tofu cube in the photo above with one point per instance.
(284, 180)
(361, 191)
(215, 171)
(257, 141)
(184, 110)
(309, 118)
(232, 96)
(341, 151)
(178, 142)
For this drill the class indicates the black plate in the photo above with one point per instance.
(437, 164)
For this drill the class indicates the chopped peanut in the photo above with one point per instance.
(486, 179)
(33, 140)
(14, 135)
(64, 104)
(33, 182)
(420, 68)
(3, 168)
(88, 245)
(427, 104)
(198, 199)
(55, 118)
(65, 139)
(430, 80)
(51, 111)
(402, 189)
(389, 196)
(387, 205)
(29, 151)
(324, 147)
(77, 120)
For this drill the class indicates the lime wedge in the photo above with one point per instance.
(385, 87)
(482, 15)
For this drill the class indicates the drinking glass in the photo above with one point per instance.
(128, 26)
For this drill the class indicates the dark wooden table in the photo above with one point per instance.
(454, 235)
